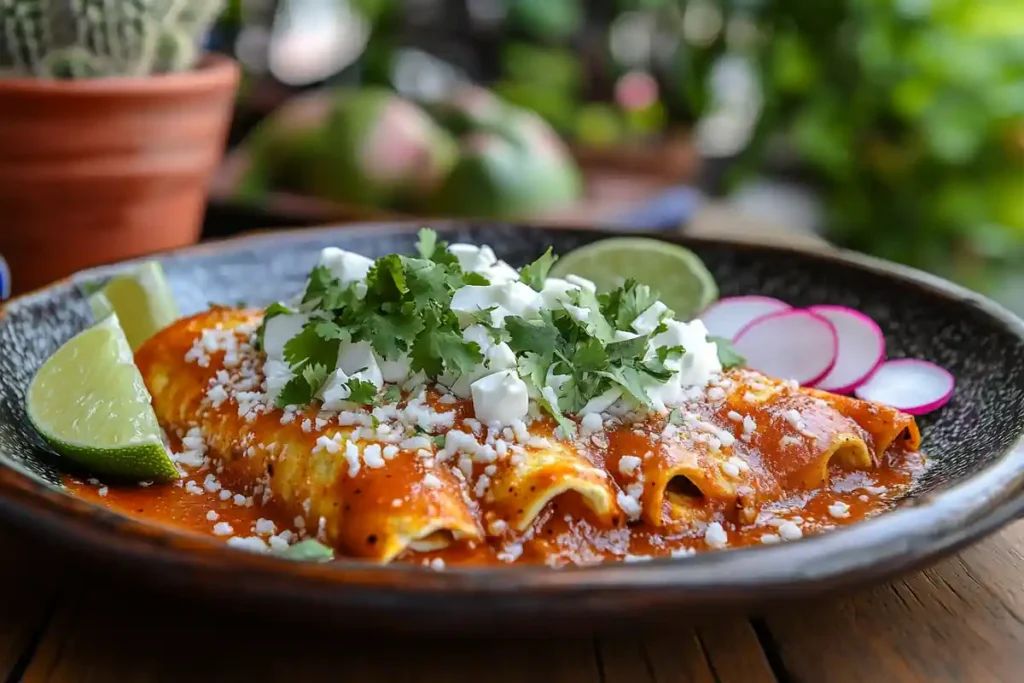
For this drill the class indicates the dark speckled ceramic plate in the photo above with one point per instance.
(975, 485)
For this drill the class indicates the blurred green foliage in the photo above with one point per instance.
(908, 113)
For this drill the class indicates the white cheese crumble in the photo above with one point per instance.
(839, 510)
(253, 544)
(591, 422)
(790, 531)
(223, 529)
(715, 536)
(628, 465)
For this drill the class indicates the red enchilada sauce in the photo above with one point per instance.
(566, 532)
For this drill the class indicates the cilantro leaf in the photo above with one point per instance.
(440, 347)
(427, 242)
(629, 349)
(393, 394)
(533, 368)
(594, 324)
(391, 335)
(627, 302)
(309, 550)
(431, 249)
(321, 283)
(330, 330)
(589, 356)
(296, 392)
(539, 336)
(631, 383)
(363, 393)
(727, 354)
(536, 273)
(386, 278)
(656, 367)
(308, 347)
(475, 279)
(315, 375)
(428, 282)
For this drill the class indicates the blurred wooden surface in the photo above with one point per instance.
(961, 621)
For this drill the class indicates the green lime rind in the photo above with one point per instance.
(684, 282)
(89, 402)
(141, 298)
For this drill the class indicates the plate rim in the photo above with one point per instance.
(921, 530)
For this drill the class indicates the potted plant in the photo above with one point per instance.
(111, 123)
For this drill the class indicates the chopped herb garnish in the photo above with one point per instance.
(626, 303)
(403, 309)
(536, 273)
(361, 393)
(727, 354)
(426, 245)
(309, 550)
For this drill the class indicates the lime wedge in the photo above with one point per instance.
(141, 298)
(675, 272)
(90, 404)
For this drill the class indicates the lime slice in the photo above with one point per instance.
(90, 403)
(141, 298)
(675, 272)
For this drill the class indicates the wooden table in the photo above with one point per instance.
(961, 620)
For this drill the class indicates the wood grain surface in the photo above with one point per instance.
(959, 621)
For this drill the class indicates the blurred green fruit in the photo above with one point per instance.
(513, 167)
(282, 148)
(380, 150)
(467, 109)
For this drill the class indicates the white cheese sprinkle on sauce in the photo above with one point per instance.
(839, 510)
(223, 529)
(715, 536)
(628, 465)
(790, 531)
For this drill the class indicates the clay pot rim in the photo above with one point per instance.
(213, 72)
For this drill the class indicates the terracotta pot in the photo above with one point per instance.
(98, 170)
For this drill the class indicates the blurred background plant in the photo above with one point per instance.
(907, 116)
(900, 122)
(91, 39)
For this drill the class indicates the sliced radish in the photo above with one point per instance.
(728, 316)
(792, 344)
(913, 386)
(861, 348)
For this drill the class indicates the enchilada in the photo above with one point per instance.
(451, 409)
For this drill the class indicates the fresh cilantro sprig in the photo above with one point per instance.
(402, 308)
(536, 273)
(728, 356)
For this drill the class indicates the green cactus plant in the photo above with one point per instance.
(102, 38)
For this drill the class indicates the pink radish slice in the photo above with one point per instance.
(793, 344)
(861, 348)
(728, 316)
(913, 386)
